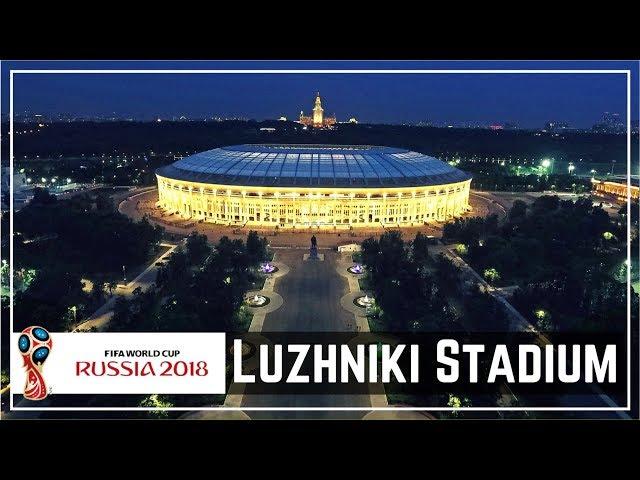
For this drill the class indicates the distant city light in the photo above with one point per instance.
(571, 168)
(546, 163)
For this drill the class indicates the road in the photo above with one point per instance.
(311, 292)
(144, 280)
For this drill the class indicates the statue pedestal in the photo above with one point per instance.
(318, 258)
(313, 252)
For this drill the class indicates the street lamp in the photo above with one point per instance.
(74, 309)
(124, 273)
(546, 163)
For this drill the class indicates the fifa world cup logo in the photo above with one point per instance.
(35, 344)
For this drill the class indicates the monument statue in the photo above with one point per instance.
(313, 251)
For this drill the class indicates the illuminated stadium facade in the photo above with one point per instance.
(300, 186)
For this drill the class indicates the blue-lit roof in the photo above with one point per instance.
(313, 165)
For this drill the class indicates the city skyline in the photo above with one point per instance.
(526, 100)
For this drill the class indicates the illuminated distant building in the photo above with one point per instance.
(554, 127)
(324, 186)
(317, 118)
(618, 190)
(610, 123)
(353, 120)
(283, 119)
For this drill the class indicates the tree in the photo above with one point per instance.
(158, 403)
(176, 270)
(122, 315)
(198, 248)
(518, 210)
(492, 275)
(484, 313)
(80, 232)
(490, 226)
(48, 299)
(446, 274)
(546, 203)
(41, 196)
(104, 203)
(420, 250)
(256, 248)
(97, 293)
(457, 402)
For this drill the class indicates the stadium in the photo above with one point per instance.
(324, 186)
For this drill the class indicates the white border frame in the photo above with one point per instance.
(627, 73)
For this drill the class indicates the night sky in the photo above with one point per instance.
(529, 100)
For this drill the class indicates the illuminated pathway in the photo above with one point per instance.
(144, 280)
(311, 292)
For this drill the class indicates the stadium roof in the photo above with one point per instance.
(313, 165)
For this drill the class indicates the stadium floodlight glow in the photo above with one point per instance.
(320, 186)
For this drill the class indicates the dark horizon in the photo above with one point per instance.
(526, 100)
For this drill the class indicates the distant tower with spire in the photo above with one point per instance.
(317, 119)
(318, 112)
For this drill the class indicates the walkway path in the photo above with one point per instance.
(311, 292)
(144, 280)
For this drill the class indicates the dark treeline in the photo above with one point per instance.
(65, 241)
(561, 254)
(415, 292)
(84, 233)
(162, 137)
